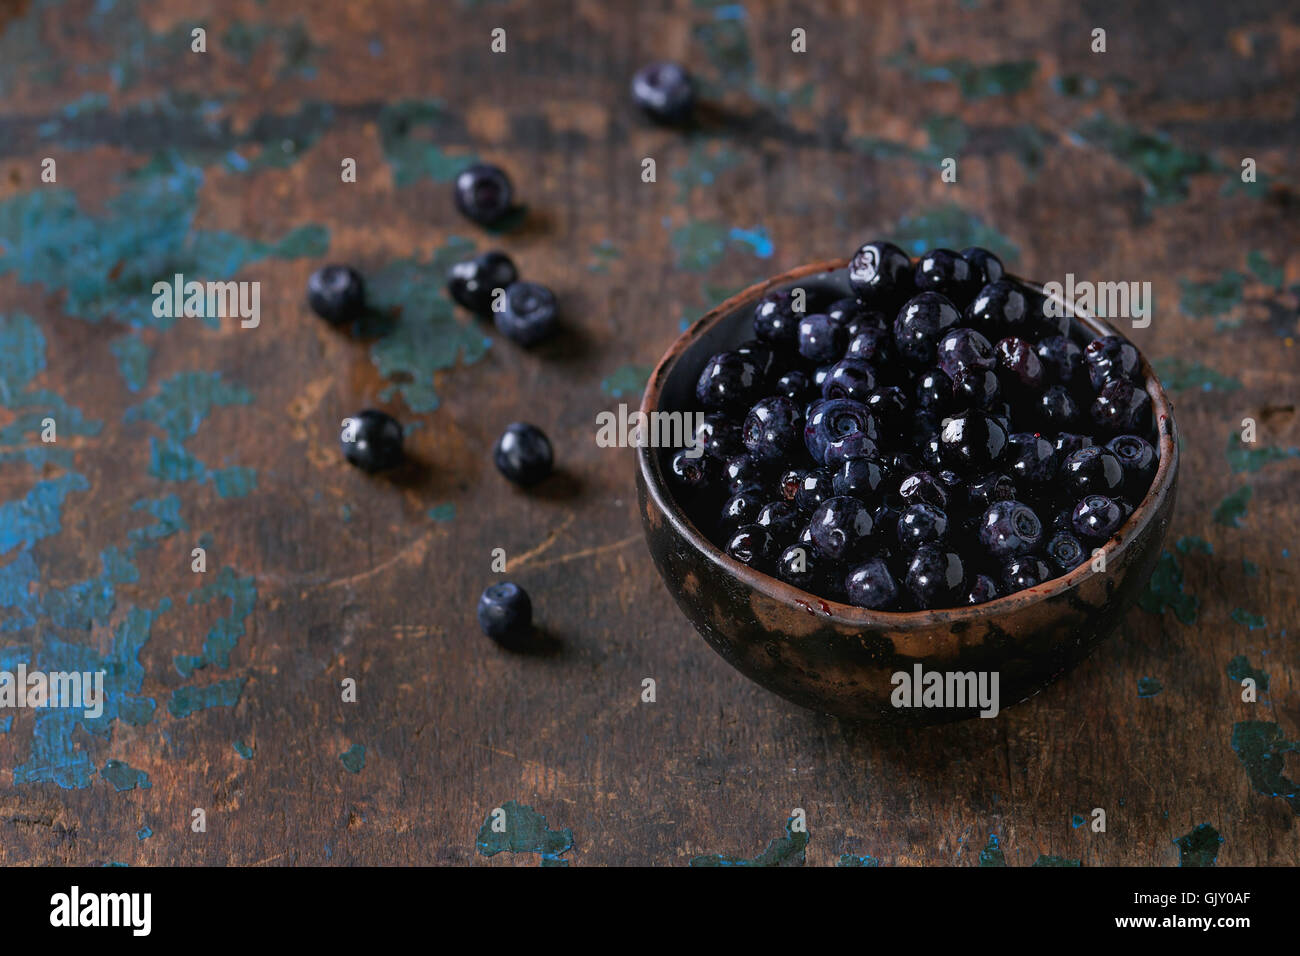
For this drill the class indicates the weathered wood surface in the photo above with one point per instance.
(226, 164)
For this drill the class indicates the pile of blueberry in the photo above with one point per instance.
(937, 439)
(524, 312)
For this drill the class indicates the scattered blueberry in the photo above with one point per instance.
(505, 613)
(336, 293)
(523, 454)
(530, 313)
(372, 440)
(474, 282)
(484, 194)
(665, 91)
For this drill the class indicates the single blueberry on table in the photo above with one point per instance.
(523, 454)
(842, 528)
(336, 293)
(505, 613)
(530, 314)
(935, 577)
(372, 440)
(872, 585)
(665, 91)
(1009, 528)
(880, 272)
(473, 282)
(484, 194)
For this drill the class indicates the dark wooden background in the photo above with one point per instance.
(1116, 165)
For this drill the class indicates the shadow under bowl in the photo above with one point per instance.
(841, 659)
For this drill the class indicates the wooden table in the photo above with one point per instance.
(224, 688)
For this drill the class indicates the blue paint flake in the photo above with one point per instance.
(354, 758)
(187, 700)
(226, 632)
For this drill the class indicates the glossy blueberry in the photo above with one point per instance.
(775, 318)
(780, 517)
(987, 490)
(965, 348)
(1092, 471)
(849, 378)
(719, 435)
(1019, 364)
(1010, 527)
(789, 482)
(372, 440)
(834, 420)
(799, 565)
(872, 585)
(484, 194)
(505, 613)
(665, 91)
(985, 266)
(1111, 357)
(888, 405)
(745, 471)
(870, 345)
(846, 310)
(1139, 460)
(1062, 359)
(922, 487)
(695, 472)
(921, 524)
(1065, 552)
(921, 323)
(795, 385)
(821, 339)
(1030, 459)
(900, 464)
(1122, 407)
(523, 454)
(998, 310)
(1056, 409)
(972, 441)
(772, 428)
(741, 509)
(869, 320)
(859, 477)
(841, 528)
(530, 314)
(945, 272)
(982, 590)
(336, 293)
(880, 272)
(817, 487)
(935, 577)
(753, 545)
(1067, 443)
(975, 388)
(1024, 571)
(1096, 517)
(473, 282)
(730, 380)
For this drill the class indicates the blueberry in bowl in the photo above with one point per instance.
(982, 486)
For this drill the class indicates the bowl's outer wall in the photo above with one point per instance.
(802, 651)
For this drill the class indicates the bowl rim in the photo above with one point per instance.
(657, 488)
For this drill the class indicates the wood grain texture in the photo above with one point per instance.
(1116, 166)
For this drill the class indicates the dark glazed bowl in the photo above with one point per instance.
(840, 659)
